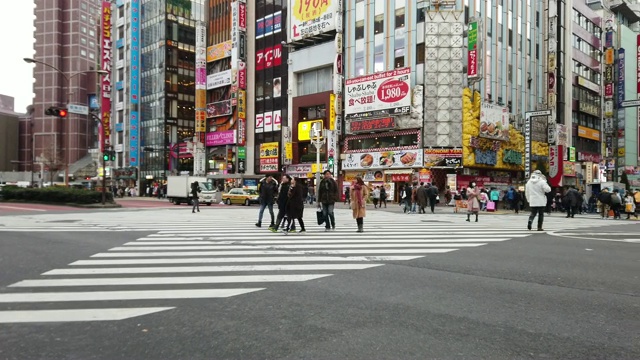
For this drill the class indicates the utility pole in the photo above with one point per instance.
(318, 141)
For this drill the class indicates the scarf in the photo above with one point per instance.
(357, 190)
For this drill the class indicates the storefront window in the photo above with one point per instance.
(381, 142)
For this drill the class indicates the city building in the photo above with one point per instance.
(152, 93)
(9, 139)
(66, 47)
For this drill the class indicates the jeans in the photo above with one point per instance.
(537, 210)
(262, 207)
(196, 204)
(432, 203)
(327, 211)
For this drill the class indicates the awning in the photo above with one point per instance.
(399, 171)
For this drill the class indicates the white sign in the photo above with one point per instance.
(78, 109)
(259, 123)
(494, 122)
(312, 17)
(220, 79)
(384, 160)
(380, 94)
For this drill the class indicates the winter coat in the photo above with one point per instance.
(359, 211)
(295, 206)
(536, 189)
(473, 202)
(421, 196)
(283, 196)
(268, 191)
(195, 189)
(432, 193)
(328, 192)
(572, 198)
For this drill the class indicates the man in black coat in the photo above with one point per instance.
(268, 190)
(571, 200)
(282, 202)
(432, 193)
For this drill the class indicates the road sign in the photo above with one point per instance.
(630, 103)
(537, 113)
(78, 109)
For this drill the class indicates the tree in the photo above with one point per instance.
(52, 159)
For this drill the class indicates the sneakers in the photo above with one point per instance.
(291, 230)
(273, 229)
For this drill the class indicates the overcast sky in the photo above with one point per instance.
(16, 76)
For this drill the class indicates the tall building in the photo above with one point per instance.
(153, 93)
(67, 41)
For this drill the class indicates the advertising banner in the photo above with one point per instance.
(219, 51)
(242, 16)
(220, 79)
(220, 138)
(134, 70)
(269, 57)
(588, 133)
(105, 81)
(269, 156)
(242, 104)
(220, 108)
(384, 93)
(312, 17)
(268, 121)
(383, 160)
(442, 157)
(472, 54)
(494, 122)
(387, 123)
(201, 121)
(134, 123)
(621, 69)
(555, 165)
(259, 123)
(242, 75)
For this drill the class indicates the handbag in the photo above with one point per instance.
(320, 216)
(491, 206)
(629, 208)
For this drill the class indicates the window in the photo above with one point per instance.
(92, 56)
(400, 18)
(83, 29)
(83, 53)
(359, 32)
(383, 141)
(92, 33)
(83, 6)
(83, 41)
(420, 53)
(378, 24)
(83, 18)
(92, 44)
(421, 15)
(315, 81)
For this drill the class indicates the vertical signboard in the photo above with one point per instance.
(134, 88)
(472, 54)
(527, 147)
(105, 82)
(242, 117)
(555, 165)
(638, 88)
(201, 78)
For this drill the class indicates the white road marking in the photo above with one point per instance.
(295, 246)
(242, 260)
(267, 252)
(168, 280)
(198, 269)
(294, 240)
(123, 295)
(73, 315)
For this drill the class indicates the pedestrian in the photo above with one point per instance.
(511, 198)
(405, 197)
(616, 203)
(383, 196)
(636, 198)
(268, 189)
(432, 195)
(422, 197)
(535, 191)
(359, 194)
(447, 195)
(414, 197)
(295, 206)
(571, 201)
(484, 199)
(515, 201)
(328, 195)
(195, 189)
(630, 206)
(282, 200)
(593, 202)
(494, 196)
(604, 203)
(376, 196)
(473, 202)
(347, 196)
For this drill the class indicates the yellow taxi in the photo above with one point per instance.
(241, 196)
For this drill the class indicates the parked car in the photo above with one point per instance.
(241, 196)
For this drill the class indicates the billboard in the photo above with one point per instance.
(269, 57)
(134, 89)
(384, 93)
(105, 82)
(312, 17)
(442, 157)
(494, 122)
(220, 138)
(472, 54)
(383, 160)
(222, 78)
(269, 156)
(220, 108)
(219, 51)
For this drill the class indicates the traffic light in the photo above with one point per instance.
(330, 161)
(113, 155)
(109, 155)
(56, 111)
(106, 156)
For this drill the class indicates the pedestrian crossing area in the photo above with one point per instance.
(187, 256)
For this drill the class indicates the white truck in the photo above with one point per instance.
(179, 190)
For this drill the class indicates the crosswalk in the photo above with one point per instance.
(187, 256)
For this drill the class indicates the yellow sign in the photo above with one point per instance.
(269, 150)
(201, 121)
(305, 10)
(304, 129)
(621, 151)
(242, 104)
(609, 56)
(201, 99)
(332, 112)
(219, 51)
(588, 133)
(288, 151)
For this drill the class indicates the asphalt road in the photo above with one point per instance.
(535, 297)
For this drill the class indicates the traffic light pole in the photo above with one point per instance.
(104, 179)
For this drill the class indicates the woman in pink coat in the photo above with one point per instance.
(359, 194)
(473, 202)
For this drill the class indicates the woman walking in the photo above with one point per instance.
(295, 206)
(473, 204)
(359, 195)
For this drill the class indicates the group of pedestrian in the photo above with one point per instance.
(616, 203)
(417, 197)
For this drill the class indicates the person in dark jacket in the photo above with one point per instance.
(570, 201)
(295, 206)
(432, 194)
(268, 190)
(195, 189)
(328, 195)
(282, 200)
(421, 197)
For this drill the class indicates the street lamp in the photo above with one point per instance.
(66, 89)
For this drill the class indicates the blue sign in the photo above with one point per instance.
(277, 22)
(93, 102)
(259, 28)
(608, 40)
(119, 43)
(119, 127)
(621, 69)
(133, 139)
(135, 51)
(268, 25)
(250, 182)
(119, 85)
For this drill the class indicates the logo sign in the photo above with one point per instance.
(609, 56)
(442, 157)
(219, 51)
(380, 94)
(220, 108)
(201, 121)
(242, 16)
(312, 17)
(608, 90)
(621, 75)
(242, 46)
(269, 57)
(555, 165)
(220, 79)
(259, 123)
(242, 131)
(277, 120)
(608, 74)
(337, 64)
(608, 39)
(242, 104)
(384, 160)
(588, 133)
(387, 123)
(242, 75)
(220, 138)
(472, 54)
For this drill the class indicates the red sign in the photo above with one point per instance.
(269, 57)
(590, 157)
(472, 60)
(608, 90)
(242, 16)
(638, 60)
(373, 124)
(401, 177)
(337, 66)
(556, 165)
(242, 75)
(105, 82)
(552, 82)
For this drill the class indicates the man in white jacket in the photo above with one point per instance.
(535, 191)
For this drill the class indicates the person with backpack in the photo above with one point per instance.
(195, 189)
(605, 202)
